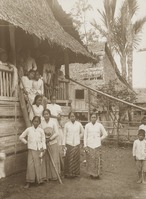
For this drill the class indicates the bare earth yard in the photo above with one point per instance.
(118, 182)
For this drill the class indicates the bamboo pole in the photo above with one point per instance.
(109, 96)
(49, 152)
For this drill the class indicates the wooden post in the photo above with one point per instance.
(3, 35)
(12, 44)
(66, 61)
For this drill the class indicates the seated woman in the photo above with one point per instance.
(38, 84)
(26, 85)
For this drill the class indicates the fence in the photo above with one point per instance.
(6, 75)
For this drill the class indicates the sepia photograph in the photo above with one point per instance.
(72, 99)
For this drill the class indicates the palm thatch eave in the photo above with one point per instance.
(36, 17)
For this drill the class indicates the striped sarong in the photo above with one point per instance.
(94, 161)
(36, 170)
(54, 150)
(72, 161)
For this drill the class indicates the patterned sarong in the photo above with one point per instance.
(94, 161)
(72, 161)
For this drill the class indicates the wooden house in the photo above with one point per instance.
(95, 76)
(29, 24)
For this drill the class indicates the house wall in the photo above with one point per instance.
(11, 126)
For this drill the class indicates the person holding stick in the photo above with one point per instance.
(52, 155)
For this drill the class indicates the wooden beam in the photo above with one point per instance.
(12, 44)
(66, 61)
(109, 96)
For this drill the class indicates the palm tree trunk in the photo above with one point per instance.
(123, 65)
(130, 65)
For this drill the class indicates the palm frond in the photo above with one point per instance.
(113, 8)
(133, 7)
(138, 25)
(99, 28)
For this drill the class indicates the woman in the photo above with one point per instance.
(73, 132)
(38, 84)
(56, 111)
(26, 86)
(94, 134)
(51, 132)
(36, 108)
(34, 138)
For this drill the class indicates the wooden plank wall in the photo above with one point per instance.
(11, 126)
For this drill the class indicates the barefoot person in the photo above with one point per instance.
(36, 144)
(139, 154)
(73, 132)
(51, 133)
(94, 134)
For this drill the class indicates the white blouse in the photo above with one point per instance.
(35, 138)
(37, 111)
(94, 134)
(72, 133)
(38, 86)
(55, 109)
(52, 125)
(27, 83)
(139, 149)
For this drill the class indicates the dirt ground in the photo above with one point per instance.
(118, 182)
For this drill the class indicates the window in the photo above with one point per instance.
(79, 94)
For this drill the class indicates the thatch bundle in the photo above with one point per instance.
(36, 17)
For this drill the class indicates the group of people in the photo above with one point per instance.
(53, 150)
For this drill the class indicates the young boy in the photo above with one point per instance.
(139, 154)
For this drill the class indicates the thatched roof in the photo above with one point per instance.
(36, 17)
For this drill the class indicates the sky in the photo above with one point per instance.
(139, 65)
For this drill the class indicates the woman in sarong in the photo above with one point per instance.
(51, 133)
(34, 137)
(73, 132)
(94, 134)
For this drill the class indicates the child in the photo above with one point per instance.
(143, 124)
(37, 108)
(36, 144)
(139, 154)
(38, 84)
(2, 161)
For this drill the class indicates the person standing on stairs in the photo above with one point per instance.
(37, 108)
